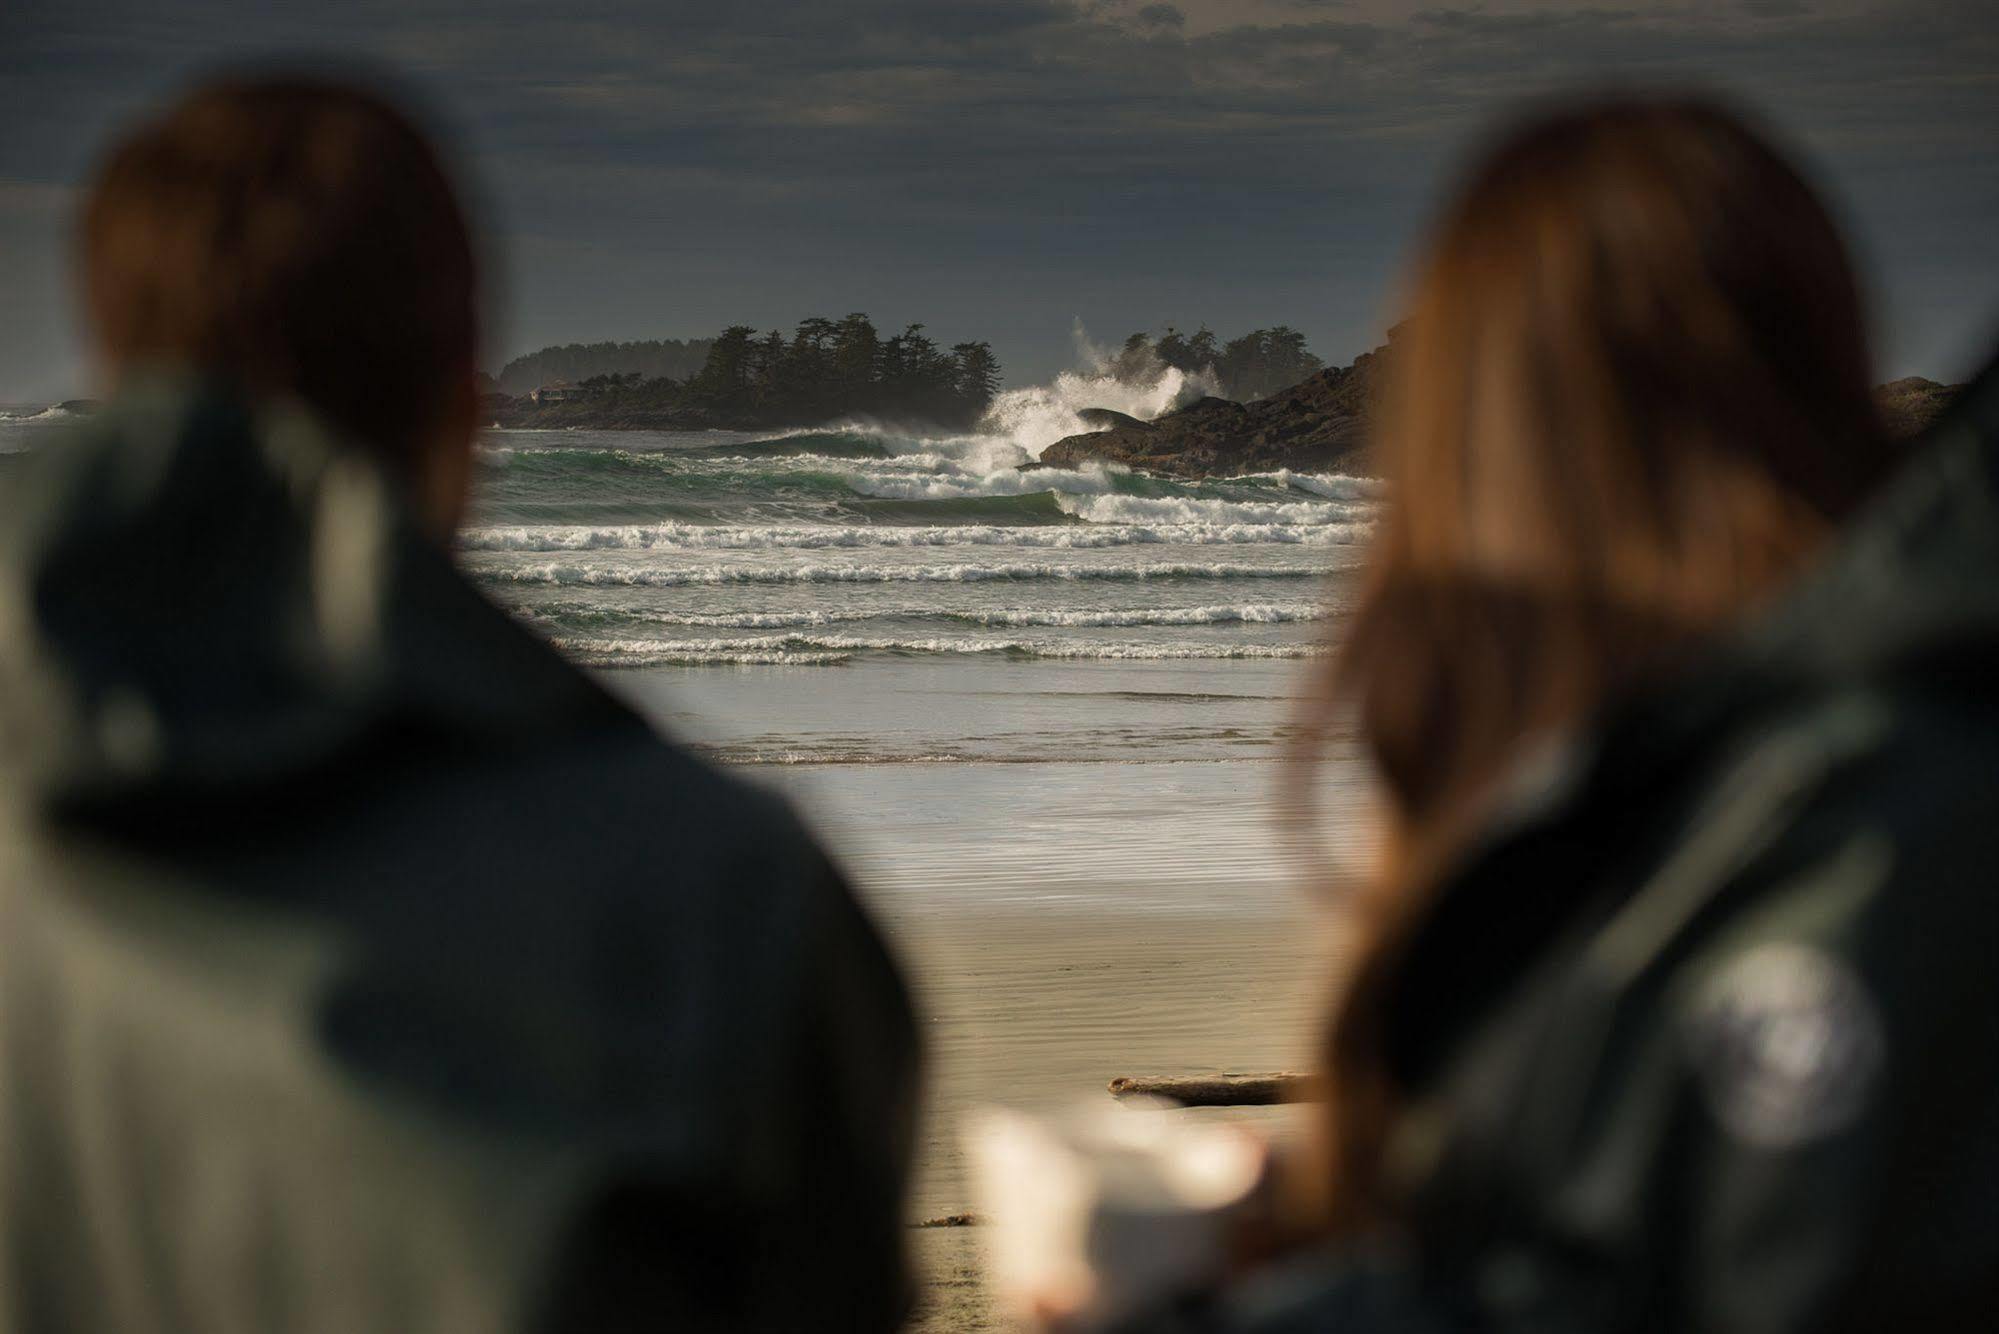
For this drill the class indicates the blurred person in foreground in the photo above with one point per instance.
(363, 966)
(1673, 1001)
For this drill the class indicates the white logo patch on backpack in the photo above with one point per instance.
(1788, 1044)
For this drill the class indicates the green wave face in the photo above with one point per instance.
(557, 485)
(1036, 507)
(763, 552)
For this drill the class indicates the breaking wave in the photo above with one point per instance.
(1234, 525)
(824, 650)
(642, 576)
(1036, 417)
(1250, 613)
(1186, 510)
(1253, 613)
(859, 541)
(1334, 486)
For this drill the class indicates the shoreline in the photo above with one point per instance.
(1100, 887)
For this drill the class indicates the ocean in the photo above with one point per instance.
(988, 684)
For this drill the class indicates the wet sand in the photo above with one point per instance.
(1039, 1009)
(1084, 878)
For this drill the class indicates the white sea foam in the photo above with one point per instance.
(1248, 529)
(726, 620)
(1036, 417)
(558, 572)
(623, 655)
(1248, 613)
(44, 416)
(702, 464)
(1251, 613)
(753, 753)
(1333, 485)
(804, 648)
(1187, 510)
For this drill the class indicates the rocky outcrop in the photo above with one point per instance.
(1101, 418)
(1317, 424)
(1909, 405)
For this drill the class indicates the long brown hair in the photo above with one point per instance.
(1630, 401)
(300, 236)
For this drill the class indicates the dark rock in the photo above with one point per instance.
(1909, 405)
(1314, 425)
(1320, 424)
(1108, 417)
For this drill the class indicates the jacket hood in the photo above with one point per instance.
(202, 597)
(1905, 605)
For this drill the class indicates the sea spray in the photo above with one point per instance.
(1036, 417)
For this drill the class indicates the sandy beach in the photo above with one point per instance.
(1128, 908)
(1041, 1009)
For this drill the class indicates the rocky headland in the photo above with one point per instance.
(1911, 404)
(1320, 425)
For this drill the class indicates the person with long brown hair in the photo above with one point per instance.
(1672, 999)
(1631, 402)
(364, 966)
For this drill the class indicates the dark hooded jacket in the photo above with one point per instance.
(1703, 1032)
(363, 966)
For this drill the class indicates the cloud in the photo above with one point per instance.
(655, 168)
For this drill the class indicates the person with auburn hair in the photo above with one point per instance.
(363, 965)
(1672, 1001)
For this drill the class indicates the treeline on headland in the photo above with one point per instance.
(826, 370)
(1256, 365)
(669, 358)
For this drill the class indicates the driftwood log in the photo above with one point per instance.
(952, 1220)
(1217, 1090)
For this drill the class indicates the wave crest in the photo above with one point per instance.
(550, 572)
(820, 650)
(1249, 613)
(1190, 510)
(1249, 531)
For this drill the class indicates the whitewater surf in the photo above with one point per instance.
(834, 545)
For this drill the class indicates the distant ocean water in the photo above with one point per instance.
(636, 549)
(991, 685)
(24, 424)
(973, 673)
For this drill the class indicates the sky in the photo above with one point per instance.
(1005, 169)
